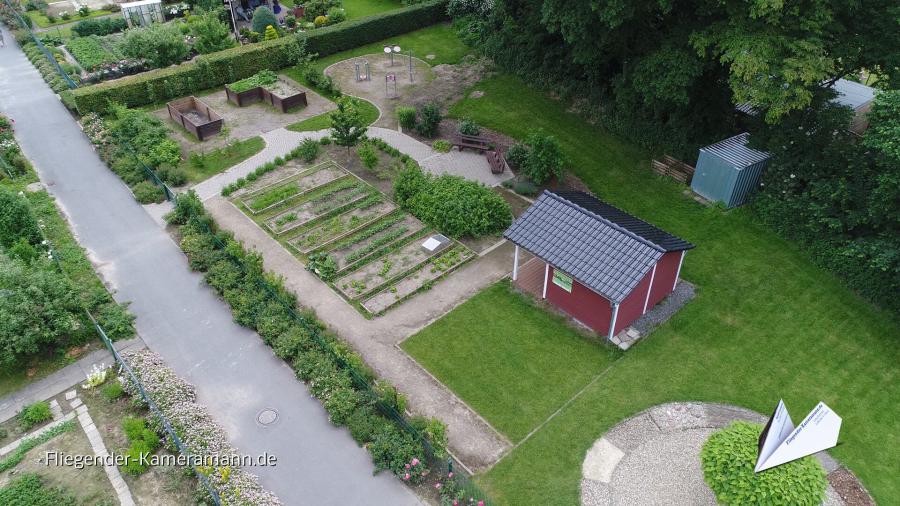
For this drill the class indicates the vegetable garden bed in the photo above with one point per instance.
(266, 87)
(340, 226)
(346, 192)
(371, 275)
(280, 192)
(195, 116)
(373, 239)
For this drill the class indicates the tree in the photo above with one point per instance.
(545, 158)
(347, 124)
(16, 220)
(271, 33)
(210, 32)
(884, 124)
(161, 44)
(39, 309)
(263, 17)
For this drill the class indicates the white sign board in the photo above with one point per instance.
(780, 442)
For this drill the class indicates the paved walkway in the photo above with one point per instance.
(472, 439)
(182, 319)
(654, 457)
(61, 380)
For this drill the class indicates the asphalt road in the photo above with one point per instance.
(182, 319)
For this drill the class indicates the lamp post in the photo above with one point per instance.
(391, 50)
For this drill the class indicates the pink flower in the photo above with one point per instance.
(437, 485)
(480, 503)
(450, 474)
(455, 502)
(407, 466)
(415, 461)
(406, 476)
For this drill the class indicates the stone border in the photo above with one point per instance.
(603, 458)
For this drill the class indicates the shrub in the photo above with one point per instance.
(263, 17)
(545, 157)
(526, 188)
(160, 44)
(431, 118)
(406, 116)
(316, 8)
(290, 21)
(728, 459)
(33, 414)
(441, 146)
(468, 127)
(112, 391)
(146, 192)
(367, 155)
(210, 33)
(100, 26)
(516, 155)
(271, 33)
(336, 15)
(392, 449)
(452, 204)
(308, 150)
(236, 63)
(16, 220)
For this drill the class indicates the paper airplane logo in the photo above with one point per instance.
(780, 442)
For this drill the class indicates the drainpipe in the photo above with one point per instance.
(678, 272)
(649, 288)
(612, 324)
(546, 275)
(516, 264)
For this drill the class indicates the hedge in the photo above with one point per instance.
(237, 63)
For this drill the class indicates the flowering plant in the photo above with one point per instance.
(416, 471)
(96, 377)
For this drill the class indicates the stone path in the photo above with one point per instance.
(60, 380)
(654, 457)
(93, 435)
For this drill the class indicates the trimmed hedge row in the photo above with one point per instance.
(237, 63)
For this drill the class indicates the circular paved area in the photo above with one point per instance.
(654, 457)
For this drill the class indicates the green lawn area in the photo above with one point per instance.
(439, 40)
(514, 383)
(43, 22)
(766, 324)
(362, 8)
(220, 159)
(322, 121)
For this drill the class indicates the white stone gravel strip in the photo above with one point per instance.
(112, 471)
(15, 444)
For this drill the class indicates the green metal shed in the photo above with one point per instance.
(728, 170)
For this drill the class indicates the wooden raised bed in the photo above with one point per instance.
(281, 101)
(195, 116)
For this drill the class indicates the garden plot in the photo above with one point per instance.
(373, 274)
(346, 192)
(297, 185)
(421, 278)
(340, 225)
(373, 239)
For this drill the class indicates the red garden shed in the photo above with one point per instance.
(597, 263)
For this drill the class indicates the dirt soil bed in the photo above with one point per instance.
(373, 274)
(303, 181)
(315, 208)
(409, 224)
(340, 225)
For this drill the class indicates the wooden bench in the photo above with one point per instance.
(497, 162)
(676, 169)
(471, 141)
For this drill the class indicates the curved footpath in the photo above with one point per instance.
(182, 319)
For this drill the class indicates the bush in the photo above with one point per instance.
(441, 146)
(468, 127)
(317, 8)
(367, 155)
(160, 44)
(263, 17)
(545, 157)
(112, 391)
(392, 449)
(526, 188)
(336, 15)
(406, 116)
(146, 192)
(455, 206)
(308, 150)
(728, 459)
(33, 414)
(210, 33)
(237, 63)
(516, 155)
(100, 26)
(16, 220)
(431, 119)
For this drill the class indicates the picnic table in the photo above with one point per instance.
(471, 141)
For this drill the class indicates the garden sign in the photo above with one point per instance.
(780, 442)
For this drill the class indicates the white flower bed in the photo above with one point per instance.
(193, 424)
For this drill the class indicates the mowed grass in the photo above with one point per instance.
(362, 8)
(367, 109)
(218, 160)
(439, 40)
(515, 380)
(766, 324)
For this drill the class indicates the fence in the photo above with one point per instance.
(66, 77)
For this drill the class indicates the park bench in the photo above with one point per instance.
(471, 141)
(497, 161)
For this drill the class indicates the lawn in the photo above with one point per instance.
(367, 109)
(220, 159)
(514, 383)
(44, 22)
(362, 8)
(766, 323)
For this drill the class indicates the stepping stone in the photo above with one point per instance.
(430, 57)
(76, 403)
(71, 395)
(55, 410)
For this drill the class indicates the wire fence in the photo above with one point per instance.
(52, 59)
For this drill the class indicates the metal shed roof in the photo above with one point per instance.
(604, 248)
(853, 95)
(734, 150)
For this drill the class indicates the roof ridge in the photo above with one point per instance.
(609, 222)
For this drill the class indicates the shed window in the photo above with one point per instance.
(563, 281)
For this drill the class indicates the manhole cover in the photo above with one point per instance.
(267, 416)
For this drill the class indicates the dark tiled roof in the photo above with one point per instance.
(604, 248)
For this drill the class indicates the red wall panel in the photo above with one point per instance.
(666, 270)
(582, 303)
(632, 307)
